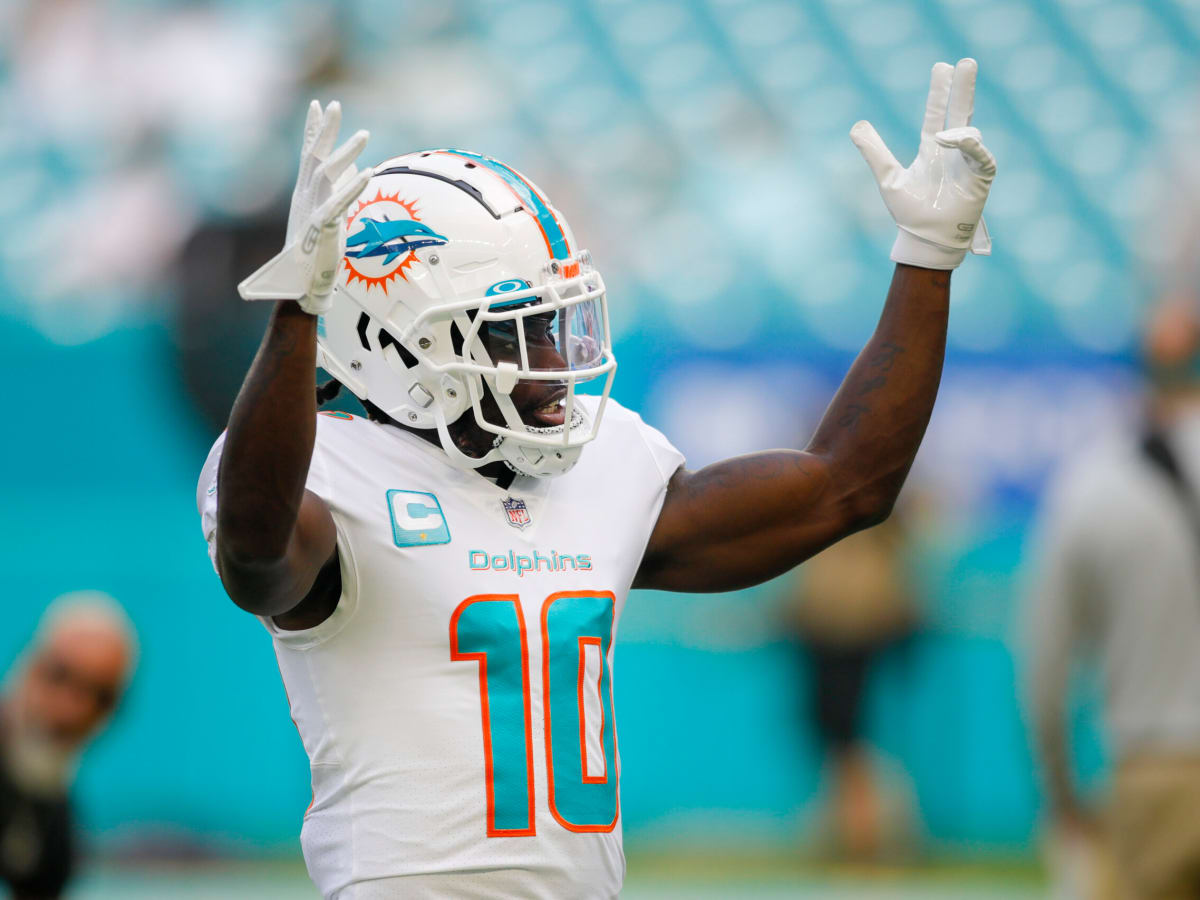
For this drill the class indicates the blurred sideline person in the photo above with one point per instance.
(60, 693)
(848, 606)
(1120, 577)
(443, 579)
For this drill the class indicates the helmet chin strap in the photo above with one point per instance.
(544, 462)
(524, 459)
(457, 457)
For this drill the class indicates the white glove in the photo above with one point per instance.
(937, 202)
(306, 268)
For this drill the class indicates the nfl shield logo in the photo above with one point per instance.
(517, 512)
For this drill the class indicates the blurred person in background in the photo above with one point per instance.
(1120, 579)
(847, 607)
(61, 692)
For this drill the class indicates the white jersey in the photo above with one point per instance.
(457, 706)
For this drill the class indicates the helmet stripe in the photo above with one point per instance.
(534, 203)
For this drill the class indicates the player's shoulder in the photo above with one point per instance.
(331, 425)
(614, 412)
(343, 433)
(624, 434)
(334, 429)
(206, 486)
(352, 453)
(337, 422)
(619, 424)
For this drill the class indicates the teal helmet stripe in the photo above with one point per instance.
(556, 239)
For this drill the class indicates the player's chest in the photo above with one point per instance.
(427, 538)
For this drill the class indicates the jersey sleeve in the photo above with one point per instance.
(664, 461)
(667, 459)
(318, 482)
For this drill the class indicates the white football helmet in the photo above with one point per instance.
(459, 273)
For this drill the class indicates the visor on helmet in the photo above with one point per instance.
(566, 339)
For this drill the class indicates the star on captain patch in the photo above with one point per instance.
(517, 512)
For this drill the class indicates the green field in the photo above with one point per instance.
(650, 878)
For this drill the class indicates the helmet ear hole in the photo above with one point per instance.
(385, 339)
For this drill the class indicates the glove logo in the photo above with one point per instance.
(310, 239)
(382, 235)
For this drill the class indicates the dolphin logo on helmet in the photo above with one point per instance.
(384, 238)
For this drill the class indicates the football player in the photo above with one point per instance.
(443, 579)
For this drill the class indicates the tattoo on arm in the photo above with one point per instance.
(886, 356)
(875, 422)
(882, 364)
(850, 415)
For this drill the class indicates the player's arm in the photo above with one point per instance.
(273, 536)
(744, 520)
(747, 519)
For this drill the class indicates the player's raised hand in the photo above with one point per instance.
(937, 201)
(316, 236)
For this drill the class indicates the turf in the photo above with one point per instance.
(650, 878)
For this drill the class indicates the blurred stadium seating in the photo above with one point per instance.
(700, 148)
